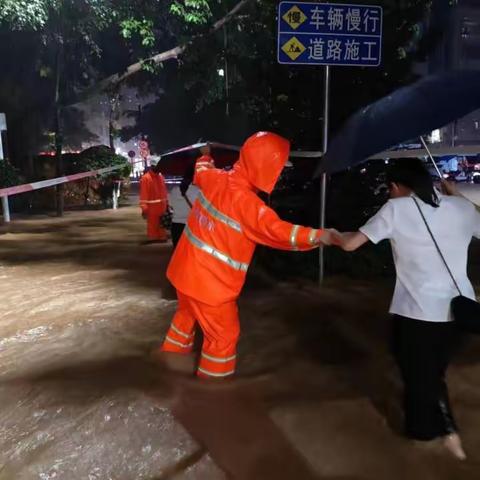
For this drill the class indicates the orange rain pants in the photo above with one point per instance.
(221, 330)
(153, 202)
(154, 230)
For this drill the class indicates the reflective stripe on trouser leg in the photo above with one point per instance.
(181, 334)
(216, 366)
(221, 330)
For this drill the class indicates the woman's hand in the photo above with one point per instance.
(206, 150)
(449, 188)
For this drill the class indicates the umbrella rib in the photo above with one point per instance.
(430, 155)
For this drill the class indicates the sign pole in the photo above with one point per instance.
(6, 210)
(329, 34)
(323, 184)
(5, 205)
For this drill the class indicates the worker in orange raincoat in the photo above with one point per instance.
(154, 201)
(211, 260)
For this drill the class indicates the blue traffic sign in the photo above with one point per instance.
(329, 34)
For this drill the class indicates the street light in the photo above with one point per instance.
(436, 136)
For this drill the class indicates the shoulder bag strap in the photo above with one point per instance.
(436, 246)
(185, 197)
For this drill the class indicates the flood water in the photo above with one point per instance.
(83, 303)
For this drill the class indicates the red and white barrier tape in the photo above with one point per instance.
(28, 187)
(293, 154)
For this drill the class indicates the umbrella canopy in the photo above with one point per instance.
(436, 151)
(177, 162)
(407, 113)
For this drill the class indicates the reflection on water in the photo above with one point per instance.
(82, 306)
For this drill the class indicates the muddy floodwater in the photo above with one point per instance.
(83, 303)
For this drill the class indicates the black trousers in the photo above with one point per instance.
(422, 351)
(176, 231)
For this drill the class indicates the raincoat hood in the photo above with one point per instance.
(262, 159)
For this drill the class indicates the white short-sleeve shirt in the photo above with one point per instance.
(181, 209)
(424, 289)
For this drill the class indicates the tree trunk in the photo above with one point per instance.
(87, 191)
(60, 190)
(58, 136)
(111, 135)
(30, 166)
(159, 57)
(114, 101)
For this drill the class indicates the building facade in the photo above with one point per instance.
(458, 49)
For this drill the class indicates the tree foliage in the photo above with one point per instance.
(22, 14)
(67, 46)
(102, 38)
(96, 158)
(8, 174)
(257, 93)
(287, 98)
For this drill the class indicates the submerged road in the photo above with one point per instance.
(82, 305)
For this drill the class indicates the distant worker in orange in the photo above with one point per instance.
(154, 201)
(210, 263)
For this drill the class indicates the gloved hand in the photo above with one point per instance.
(330, 236)
(206, 150)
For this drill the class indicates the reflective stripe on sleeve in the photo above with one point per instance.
(221, 217)
(312, 237)
(293, 236)
(214, 252)
(153, 201)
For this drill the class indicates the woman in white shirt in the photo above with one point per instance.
(423, 333)
(181, 199)
(181, 205)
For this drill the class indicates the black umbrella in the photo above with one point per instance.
(177, 162)
(407, 113)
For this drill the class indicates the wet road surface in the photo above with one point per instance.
(84, 303)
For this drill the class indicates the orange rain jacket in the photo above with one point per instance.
(228, 219)
(153, 193)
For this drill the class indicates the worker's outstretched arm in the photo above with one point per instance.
(262, 225)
